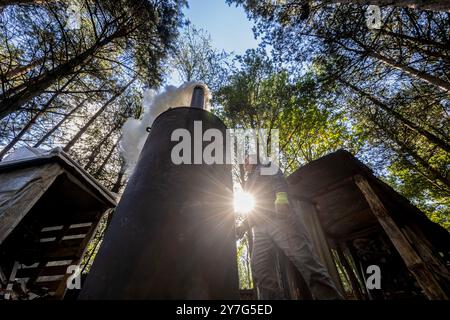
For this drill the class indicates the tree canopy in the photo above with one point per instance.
(325, 75)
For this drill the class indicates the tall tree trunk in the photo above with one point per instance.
(105, 161)
(17, 71)
(433, 5)
(19, 136)
(421, 41)
(58, 125)
(99, 146)
(119, 181)
(427, 47)
(417, 74)
(432, 174)
(39, 84)
(423, 171)
(431, 137)
(34, 118)
(421, 75)
(95, 116)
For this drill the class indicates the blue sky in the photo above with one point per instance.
(228, 26)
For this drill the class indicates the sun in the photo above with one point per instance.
(243, 202)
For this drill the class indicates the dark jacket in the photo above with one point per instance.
(264, 189)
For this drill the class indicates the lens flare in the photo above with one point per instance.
(243, 202)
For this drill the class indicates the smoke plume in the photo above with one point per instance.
(134, 131)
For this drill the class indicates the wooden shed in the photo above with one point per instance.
(356, 220)
(49, 209)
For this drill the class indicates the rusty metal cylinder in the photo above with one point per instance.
(172, 235)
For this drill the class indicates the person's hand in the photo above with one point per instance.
(282, 204)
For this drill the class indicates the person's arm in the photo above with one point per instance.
(242, 228)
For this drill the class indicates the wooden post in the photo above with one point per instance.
(412, 260)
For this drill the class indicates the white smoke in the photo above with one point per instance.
(134, 131)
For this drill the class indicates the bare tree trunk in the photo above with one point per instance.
(34, 118)
(433, 174)
(39, 84)
(431, 137)
(19, 136)
(22, 69)
(58, 125)
(433, 5)
(105, 161)
(95, 116)
(99, 146)
(421, 75)
(421, 41)
(428, 47)
(13, 99)
(119, 183)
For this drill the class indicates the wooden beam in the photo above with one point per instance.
(412, 260)
(62, 288)
(330, 187)
(71, 253)
(424, 249)
(46, 271)
(364, 233)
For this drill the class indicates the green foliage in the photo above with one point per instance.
(244, 269)
(195, 59)
(423, 192)
(260, 95)
(390, 84)
(63, 76)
